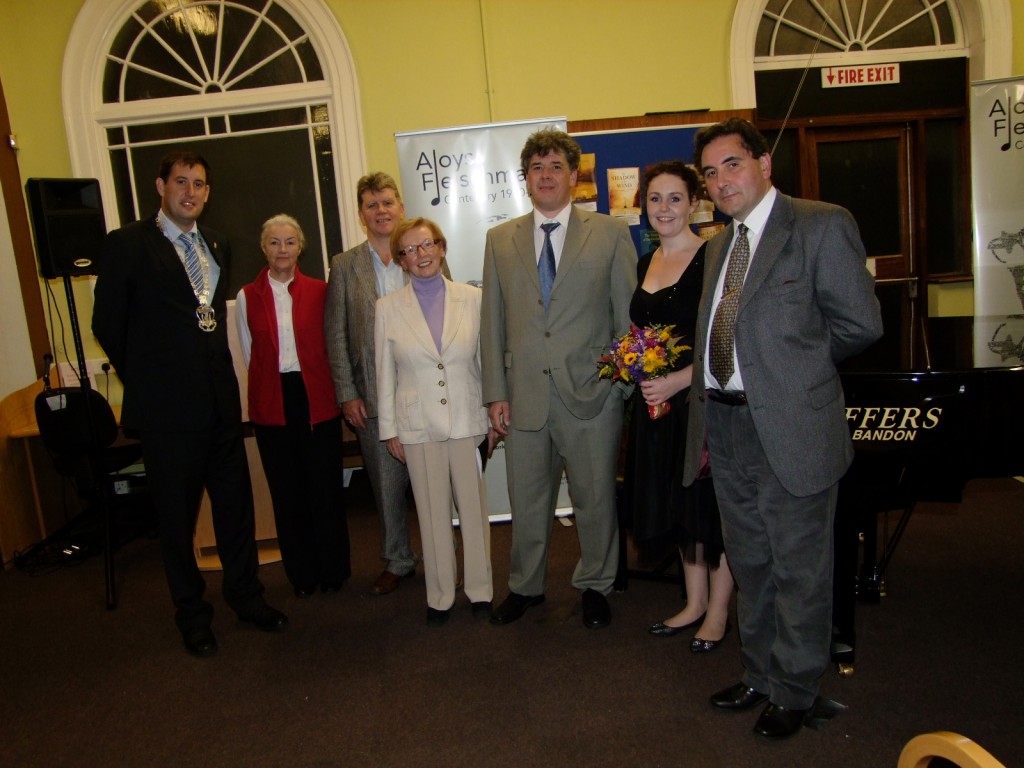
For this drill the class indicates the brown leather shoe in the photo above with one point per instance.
(388, 582)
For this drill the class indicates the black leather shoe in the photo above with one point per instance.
(779, 723)
(661, 629)
(200, 642)
(481, 609)
(267, 619)
(305, 592)
(331, 587)
(738, 697)
(436, 617)
(513, 607)
(596, 612)
(700, 645)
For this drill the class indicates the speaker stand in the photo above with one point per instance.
(96, 464)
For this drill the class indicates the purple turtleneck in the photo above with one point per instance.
(430, 293)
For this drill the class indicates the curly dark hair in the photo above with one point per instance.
(550, 140)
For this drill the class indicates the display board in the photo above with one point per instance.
(618, 163)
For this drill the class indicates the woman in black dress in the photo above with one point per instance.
(664, 514)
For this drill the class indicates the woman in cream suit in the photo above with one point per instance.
(431, 413)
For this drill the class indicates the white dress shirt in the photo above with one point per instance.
(288, 357)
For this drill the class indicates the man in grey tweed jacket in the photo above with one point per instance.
(358, 277)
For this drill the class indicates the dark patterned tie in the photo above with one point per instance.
(723, 329)
(546, 265)
(192, 263)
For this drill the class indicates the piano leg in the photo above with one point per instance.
(844, 585)
(870, 586)
(892, 543)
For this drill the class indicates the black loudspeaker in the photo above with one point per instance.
(67, 219)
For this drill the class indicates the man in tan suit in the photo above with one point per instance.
(358, 277)
(557, 287)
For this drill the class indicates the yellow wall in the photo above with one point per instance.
(422, 64)
(420, 69)
(32, 40)
(426, 63)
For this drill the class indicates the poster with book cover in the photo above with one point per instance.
(624, 194)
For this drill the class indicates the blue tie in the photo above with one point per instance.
(192, 263)
(546, 265)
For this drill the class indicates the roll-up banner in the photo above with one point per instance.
(997, 178)
(467, 179)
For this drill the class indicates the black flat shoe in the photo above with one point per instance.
(436, 617)
(779, 723)
(481, 609)
(331, 587)
(596, 611)
(305, 592)
(700, 645)
(661, 629)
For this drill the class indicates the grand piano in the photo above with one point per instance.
(920, 433)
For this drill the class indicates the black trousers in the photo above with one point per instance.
(179, 465)
(303, 465)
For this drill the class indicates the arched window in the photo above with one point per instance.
(850, 26)
(265, 89)
(780, 34)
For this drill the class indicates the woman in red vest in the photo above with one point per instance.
(297, 422)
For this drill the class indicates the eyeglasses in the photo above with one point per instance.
(426, 246)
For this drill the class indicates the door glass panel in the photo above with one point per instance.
(863, 177)
(947, 222)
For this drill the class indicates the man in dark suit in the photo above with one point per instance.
(796, 300)
(160, 315)
(557, 287)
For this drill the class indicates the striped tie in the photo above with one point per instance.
(546, 265)
(193, 264)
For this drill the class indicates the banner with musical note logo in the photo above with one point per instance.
(467, 179)
(997, 177)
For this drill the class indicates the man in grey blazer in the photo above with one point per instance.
(557, 287)
(771, 405)
(358, 277)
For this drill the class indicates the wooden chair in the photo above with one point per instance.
(959, 750)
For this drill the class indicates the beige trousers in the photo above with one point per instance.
(442, 473)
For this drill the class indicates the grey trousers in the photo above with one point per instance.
(781, 554)
(389, 481)
(588, 450)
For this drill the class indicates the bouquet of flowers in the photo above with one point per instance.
(642, 354)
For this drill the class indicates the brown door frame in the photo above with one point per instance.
(21, 238)
(897, 269)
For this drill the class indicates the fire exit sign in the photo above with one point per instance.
(865, 74)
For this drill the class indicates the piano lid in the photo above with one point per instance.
(944, 344)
